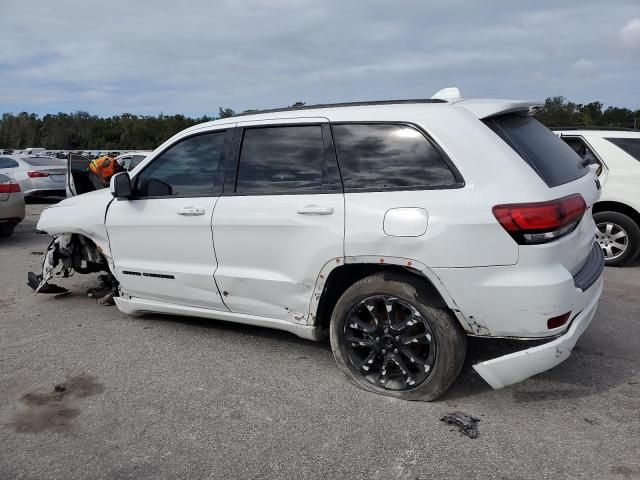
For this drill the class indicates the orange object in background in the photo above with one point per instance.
(104, 168)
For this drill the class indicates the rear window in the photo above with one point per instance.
(44, 162)
(552, 159)
(387, 157)
(629, 145)
(8, 163)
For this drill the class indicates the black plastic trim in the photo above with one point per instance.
(591, 270)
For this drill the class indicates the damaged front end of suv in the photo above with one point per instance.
(79, 244)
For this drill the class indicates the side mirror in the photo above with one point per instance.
(120, 185)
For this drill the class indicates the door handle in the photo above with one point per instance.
(191, 211)
(315, 210)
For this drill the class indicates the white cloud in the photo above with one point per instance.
(162, 56)
(631, 34)
(583, 68)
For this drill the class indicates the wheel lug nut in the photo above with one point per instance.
(377, 339)
(395, 350)
(384, 351)
(398, 337)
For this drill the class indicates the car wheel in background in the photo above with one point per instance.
(619, 237)
(6, 229)
(387, 339)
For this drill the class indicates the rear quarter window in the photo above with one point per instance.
(629, 145)
(375, 157)
(555, 162)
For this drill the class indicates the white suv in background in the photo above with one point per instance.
(399, 228)
(615, 155)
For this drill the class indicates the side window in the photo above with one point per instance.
(281, 160)
(586, 153)
(388, 156)
(193, 167)
(7, 163)
(136, 160)
(126, 163)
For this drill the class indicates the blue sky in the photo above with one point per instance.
(147, 57)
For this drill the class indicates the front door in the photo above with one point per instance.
(281, 220)
(161, 238)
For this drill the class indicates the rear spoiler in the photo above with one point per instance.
(490, 107)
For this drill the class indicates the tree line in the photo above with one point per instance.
(83, 131)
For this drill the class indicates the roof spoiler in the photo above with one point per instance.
(490, 107)
(487, 107)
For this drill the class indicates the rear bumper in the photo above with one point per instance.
(12, 210)
(515, 367)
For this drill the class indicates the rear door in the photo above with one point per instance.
(77, 177)
(161, 238)
(280, 220)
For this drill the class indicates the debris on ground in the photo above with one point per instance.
(34, 282)
(106, 291)
(37, 253)
(467, 425)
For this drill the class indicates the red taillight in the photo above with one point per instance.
(541, 222)
(9, 187)
(558, 321)
(36, 174)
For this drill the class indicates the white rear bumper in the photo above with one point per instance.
(515, 367)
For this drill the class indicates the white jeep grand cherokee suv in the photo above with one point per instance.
(615, 156)
(400, 227)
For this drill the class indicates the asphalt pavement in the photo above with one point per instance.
(88, 392)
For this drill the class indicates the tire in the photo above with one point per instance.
(614, 224)
(6, 229)
(441, 345)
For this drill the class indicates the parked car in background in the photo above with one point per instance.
(6, 151)
(375, 223)
(32, 151)
(615, 156)
(11, 205)
(38, 176)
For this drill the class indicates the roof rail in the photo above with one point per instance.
(344, 104)
(594, 127)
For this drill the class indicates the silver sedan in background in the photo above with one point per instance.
(11, 205)
(37, 176)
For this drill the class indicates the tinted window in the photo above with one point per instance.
(136, 160)
(193, 167)
(377, 156)
(7, 163)
(579, 146)
(629, 145)
(551, 158)
(281, 160)
(44, 162)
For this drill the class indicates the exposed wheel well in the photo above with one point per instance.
(344, 276)
(608, 206)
